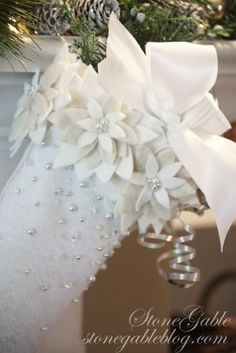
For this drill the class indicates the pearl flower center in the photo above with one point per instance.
(154, 183)
(101, 125)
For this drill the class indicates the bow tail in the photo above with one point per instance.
(211, 162)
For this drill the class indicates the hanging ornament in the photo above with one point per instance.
(97, 12)
(52, 18)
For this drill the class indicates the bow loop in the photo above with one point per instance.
(182, 72)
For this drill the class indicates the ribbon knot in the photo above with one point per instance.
(171, 119)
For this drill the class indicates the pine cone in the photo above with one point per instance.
(51, 19)
(97, 12)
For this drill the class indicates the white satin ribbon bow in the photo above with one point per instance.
(172, 82)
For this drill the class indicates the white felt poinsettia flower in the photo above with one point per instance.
(102, 125)
(157, 182)
(42, 97)
(99, 133)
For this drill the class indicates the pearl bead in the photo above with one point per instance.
(73, 208)
(109, 216)
(27, 271)
(31, 231)
(99, 198)
(92, 279)
(75, 237)
(75, 301)
(99, 248)
(58, 192)
(77, 258)
(34, 179)
(99, 227)
(106, 236)
(45, 288)
(82, 220)
(61, 221)
(44, 329)
(82, 185)
(68, 285)
(18, 191)
(48, 166)
(68, 193)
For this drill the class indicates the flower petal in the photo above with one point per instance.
(63, 100)
(173, 183)
(144, 134)
(93, 159)
(51, 75)
(169, 170)
(115, 116)
(68, 154)
(51, 93)
(184, 190)
(82, 171)
(87, 124)
(87, 138)
(162, 197)
(106, 142)
(115, 131)
(71, 134)
(126, 166)
(131, 136)
(39, 105)
(138, 178)
(122, 149)
(94, 109)
(166, 156)
(105, 171)
(38, 134)
(127, 221)
(143, 198)
(90, 85)
(111, 105)
(76, 113)
(108, 157)
(151, 167)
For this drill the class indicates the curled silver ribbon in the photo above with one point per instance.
(181, 273)
(151, 241)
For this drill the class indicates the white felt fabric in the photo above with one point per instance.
(40, 273)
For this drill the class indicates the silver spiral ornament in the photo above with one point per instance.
(180, 272)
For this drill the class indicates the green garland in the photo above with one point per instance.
(147, 20)
(12, 13)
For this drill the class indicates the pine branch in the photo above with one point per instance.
(90, 47)
(12, 13)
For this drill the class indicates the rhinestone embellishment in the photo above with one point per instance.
(154, 183)
(101, 125)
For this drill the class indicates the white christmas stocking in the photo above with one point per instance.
(55, 235)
